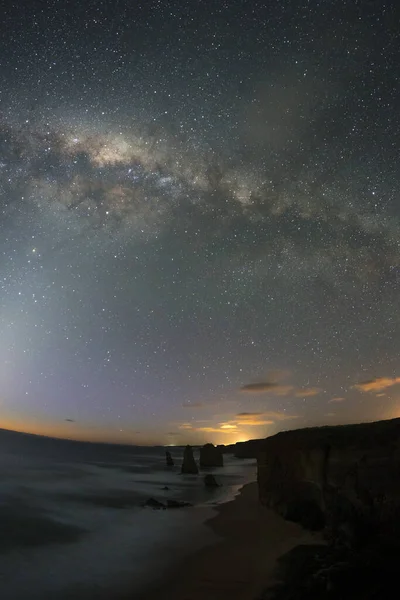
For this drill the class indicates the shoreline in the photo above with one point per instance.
(243, 562)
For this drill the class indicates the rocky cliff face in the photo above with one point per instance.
(249, 449)
(346, 478)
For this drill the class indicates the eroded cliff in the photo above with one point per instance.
(344, 478)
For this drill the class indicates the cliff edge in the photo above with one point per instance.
(342, 478)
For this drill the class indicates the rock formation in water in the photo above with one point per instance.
(157, 505)
(210, 481)
(154, 504)
(177, 504)
(345, 478)
(189, 464)
(211, 456)
(169, 459)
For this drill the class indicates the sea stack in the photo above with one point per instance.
(209, 481)
(169, 459)
(211, 456)
(189, 464)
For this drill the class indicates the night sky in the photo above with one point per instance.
(200, 217)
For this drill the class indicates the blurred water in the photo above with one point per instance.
(71, 521)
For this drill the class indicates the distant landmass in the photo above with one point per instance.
(15, 442)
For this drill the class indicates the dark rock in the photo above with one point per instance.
(189, 464)
(315, 572)
(211, 456)
(155, 504)
(249, 449)
(177, 504)
(169, 459)
(227, 449)
(345, 478)
(209, 481)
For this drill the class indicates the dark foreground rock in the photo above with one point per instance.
(336, 573)
(169, 459)
(343, 478)
(210, 456)
(157, 505)
(210, 481)
(177, 504)
(189, 464)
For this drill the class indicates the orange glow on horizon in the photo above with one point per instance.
(75, 432)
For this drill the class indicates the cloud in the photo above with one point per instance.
(255, 388)
(250, 414)
(246, 419)
(260, 418)
(213, 430)
(377, 384)
(277, 389)
(307, 392)
(192, 404)
(255, 422)
(252, 419)
(283, 390)
(267, 387)
(337, 399)
(174, 433)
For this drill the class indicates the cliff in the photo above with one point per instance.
(249, 449)
(344, 478)
(226, 449)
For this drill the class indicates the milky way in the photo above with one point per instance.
(200, 222)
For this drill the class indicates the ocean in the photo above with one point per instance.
(72, 524)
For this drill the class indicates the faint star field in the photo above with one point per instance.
(200, 218)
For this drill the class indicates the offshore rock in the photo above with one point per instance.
(154, 504)
(169, 459)
(177, 504)
(210, 481)
(211, 456)
(157, 505)
(189, 464)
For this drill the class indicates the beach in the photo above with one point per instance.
(243, 562)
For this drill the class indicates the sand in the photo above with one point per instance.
(243, 563)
